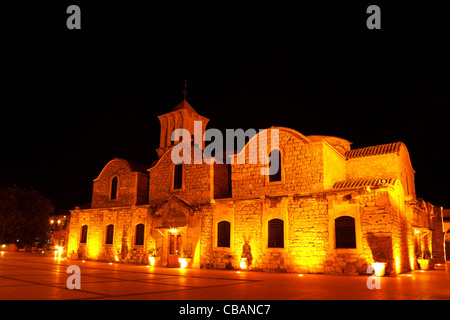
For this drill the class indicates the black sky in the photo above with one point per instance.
(75, 99)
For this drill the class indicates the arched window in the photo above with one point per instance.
(223, 234)
(84, 230)
(178, 176)
(344, 229)
(276, 233)
(139, 234)
(109, 234)
(275, 166)
(114, 188)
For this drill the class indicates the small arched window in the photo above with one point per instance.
(344, 229)
(276, 233)
(223, 234)
(275, 166)
(139, 234)
(114, 188)
(109, 234)
(178, 176)
(84, 230)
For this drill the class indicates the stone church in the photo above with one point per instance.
(328, 209)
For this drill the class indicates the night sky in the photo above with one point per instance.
(72, 100)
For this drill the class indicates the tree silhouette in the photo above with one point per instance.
(24, 215)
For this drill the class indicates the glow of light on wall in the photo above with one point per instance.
(307, 259)
(379, 268)
(116, 258)
(151, 260)
(397, 254)
(397, 264)
(243, 263)
(58, 252)
(183, 262)
(95, 247)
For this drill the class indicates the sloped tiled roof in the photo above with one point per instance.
(363, 183)
(184, 105)
(138, 166)
(374, 150)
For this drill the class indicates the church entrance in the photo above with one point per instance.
(175, 244)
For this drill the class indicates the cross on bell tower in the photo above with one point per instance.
(185, 91)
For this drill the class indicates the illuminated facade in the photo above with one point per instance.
(329, 209)
(59, 230)
(447, 232)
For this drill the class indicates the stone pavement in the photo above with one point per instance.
(26, 276)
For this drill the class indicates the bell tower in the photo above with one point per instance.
(181, 117)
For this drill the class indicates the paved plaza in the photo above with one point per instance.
(32, 276)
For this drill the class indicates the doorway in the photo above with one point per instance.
(174, 250)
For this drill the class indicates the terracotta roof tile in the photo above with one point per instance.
(138, 166)
(347, 184)
(374, 150)
(184, 105)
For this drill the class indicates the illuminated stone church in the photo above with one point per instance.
(328, 209)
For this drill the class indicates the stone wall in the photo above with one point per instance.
(308, 234)
(131, 186)
(301, 165)
(197, 182)
(373, 167)
(382, 234)
(438, 235)
(124, 221)
(333, 166)
(389, 165)
(142, 189)
(222, 181)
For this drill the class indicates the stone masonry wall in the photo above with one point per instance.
(388, 165)
(373, 167)
(197, 180)
(308, 234)
(301, 165)
(124, 221)
(222, 183)
(333, 166)
(127, 188)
